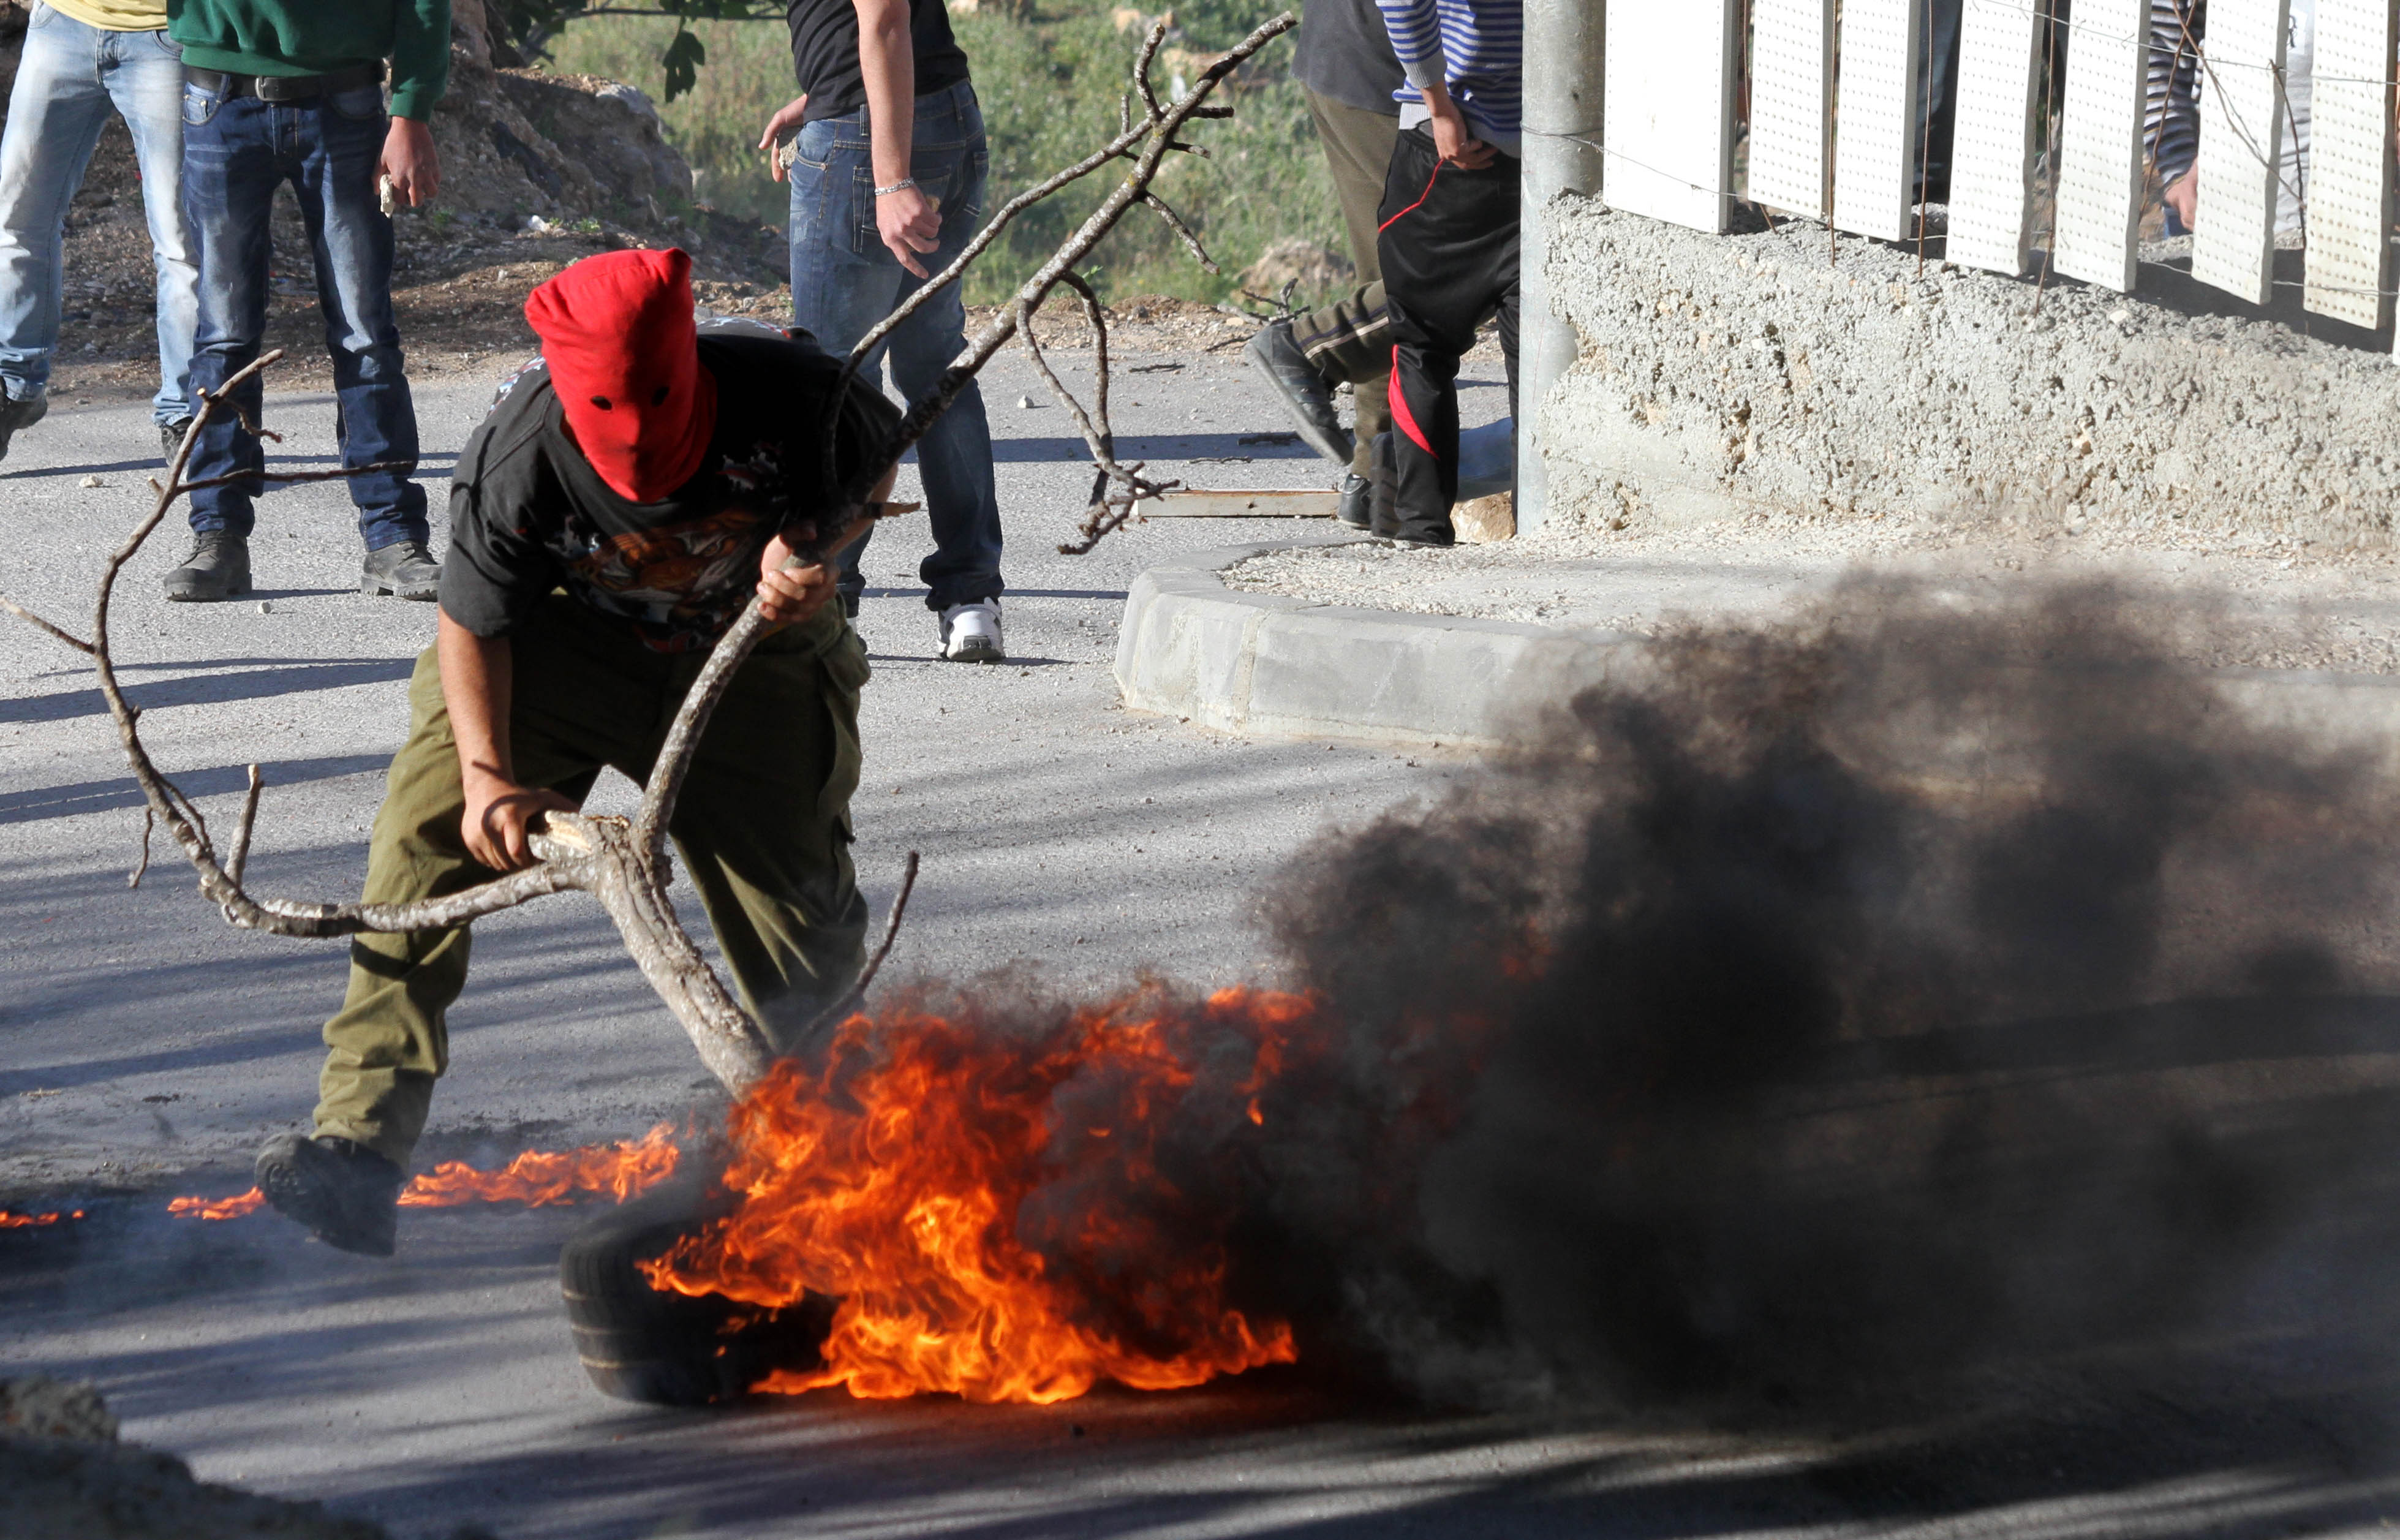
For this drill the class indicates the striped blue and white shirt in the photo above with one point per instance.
(1476, 48)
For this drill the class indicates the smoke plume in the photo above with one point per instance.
(1873, 995)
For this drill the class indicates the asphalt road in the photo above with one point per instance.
(148, 1049)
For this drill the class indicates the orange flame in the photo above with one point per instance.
(898, 1181)
(622, 1170)
(217, 1208)
(23, 1221)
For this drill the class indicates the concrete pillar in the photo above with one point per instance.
(1563, 51)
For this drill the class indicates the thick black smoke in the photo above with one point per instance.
(1871, 996)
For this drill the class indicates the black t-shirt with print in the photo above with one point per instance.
(824, 53)
(528, 515)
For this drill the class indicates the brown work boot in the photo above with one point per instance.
(348, 1196)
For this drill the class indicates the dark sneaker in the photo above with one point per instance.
(403, 571)
(1357, 508)
(217, 569)
(171, 438)
(1308, 393)
(348, 1196)
(16, 414)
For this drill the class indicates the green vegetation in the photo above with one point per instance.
(1050, 89)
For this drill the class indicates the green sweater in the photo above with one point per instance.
(320, 36)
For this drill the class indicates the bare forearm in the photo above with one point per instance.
(476, 676)
(887, 57)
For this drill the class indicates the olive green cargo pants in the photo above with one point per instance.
(762, 828)
(1351, 338)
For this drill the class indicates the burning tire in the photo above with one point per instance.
(640, 1344)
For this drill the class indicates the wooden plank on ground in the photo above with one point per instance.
(1667, 108)
(2241, 145)
(1875, 150)
(2100, 158)
(1791, 98)
(1992, 155)
(1197, 503)
(2350, 163)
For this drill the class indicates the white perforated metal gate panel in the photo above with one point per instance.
(1667, 104)
(1992, 157)
(1875, 142)
(2240, 144)
(2100, 155)
(1790, 87)
(2348, 186)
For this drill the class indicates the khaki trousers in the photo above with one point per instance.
(762, 829)
(1349, 339)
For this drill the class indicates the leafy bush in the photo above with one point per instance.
(1050, 89)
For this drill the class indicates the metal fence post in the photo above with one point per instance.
(1563, 53)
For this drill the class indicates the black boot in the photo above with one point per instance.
(16, 414)
(403, 571)
(1308, 393)
(1357, 508)
(345, 1193)
(217, 569)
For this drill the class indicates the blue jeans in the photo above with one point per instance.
(236, 151)
(68, 78)
(845, 280)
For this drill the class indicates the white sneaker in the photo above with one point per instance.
(971, 633)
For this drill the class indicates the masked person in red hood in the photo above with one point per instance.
(628, 492)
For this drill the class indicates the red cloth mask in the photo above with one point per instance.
(624, 357)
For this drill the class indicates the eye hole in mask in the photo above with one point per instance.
(603, 403)
(657, 395)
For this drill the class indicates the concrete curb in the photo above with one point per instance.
(1268, 666)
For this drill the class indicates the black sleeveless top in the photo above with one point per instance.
(824, 53)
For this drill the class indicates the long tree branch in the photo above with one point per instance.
(625, 865)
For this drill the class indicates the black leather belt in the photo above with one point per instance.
(283, 88)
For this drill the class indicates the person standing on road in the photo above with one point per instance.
(610, 519)
(1448, 239)
(1344, 61)
(887, 177)
(81, 57)
(292, 91)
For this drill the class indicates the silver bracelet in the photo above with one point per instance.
(900, 186)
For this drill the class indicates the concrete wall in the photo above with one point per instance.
(1721, 374)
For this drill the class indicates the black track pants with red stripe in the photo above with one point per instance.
(1449, 249)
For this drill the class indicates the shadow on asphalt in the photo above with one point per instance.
(279, 677)
(27, 807)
